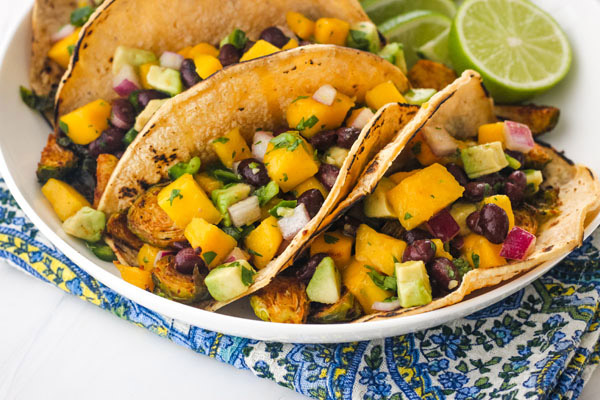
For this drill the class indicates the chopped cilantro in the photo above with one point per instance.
(267, 192)
(285, 177)
(462, 265)
(254, 253)
(81, 15)
(221, 140)
(63, 127)
(330, 239)
(475, 258)
(407, 216)
(287, 141)
(382, 281)
(146, 260)
(209, 256)
(282, 204)
(175, 193)
(307, 124)
(299, 98)
(130, 136)
(247, 276)
(35, 102)
(391, 299)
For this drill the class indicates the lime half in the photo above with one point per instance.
(519, 50)
(381, 10)
(437, 49)
(414, 29)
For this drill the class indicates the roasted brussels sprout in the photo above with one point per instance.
(540, 119)
(188, 289)
(150, 223)
(284, 300)
(537, 158)
(525, 218)
(345, 310)
(117, 229)
(56, 161)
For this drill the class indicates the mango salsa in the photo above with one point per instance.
(136, 276)
(200, 48)
(231, 147)
(292, 44)
(207, 182)
(260, 49)
(420, 196)
(439, 249)
(383, 94)
(300, 25)
(400, 176)
(356, 278)
(184, 199)
(85, 124)
(502, 201)
(206, 65)
(263, 242)
(62, 50)
(309, 116)
(337, 245)
(331, 31)
(146, 256)
(489, 133)
(310, 183)
(144, 70)
(378, 250)
(481, 253)
(65, 200)
(215, 243)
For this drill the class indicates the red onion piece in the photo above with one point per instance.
(386, 305)
(245, 212)
(290, 226)
(518, 137)
(172, 60)
(236, 254)
(363, 118)
(443, 226)
(162, 254)
(518, 244)
(325, 95)
(259, 144)
(62, 33)
(441, 142)
(126, 81)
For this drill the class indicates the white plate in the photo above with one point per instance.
(23, 135)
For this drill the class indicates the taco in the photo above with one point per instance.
(458, 202)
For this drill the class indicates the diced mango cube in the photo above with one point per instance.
(383, 94)
(481, 253)
(356, 278)
(85, 124)
(420, 196)
(337, 245)
(292, 164)
(207, 182)
(184, 199)
(378, 250)
(439, 249)
(310, 117)
(291, 44)
(215, 243)
(502, 201)
(300, 25)
(331, 31)
(62, 50)
(399, 176)
(146, 256)
(136, 276)
(65, 200)
(419, 148)
(231, 147)
(263, 242)
(200, 48)
(144, 70)
(206, 65)
(260, 49)
(310, 183)
(489, 133)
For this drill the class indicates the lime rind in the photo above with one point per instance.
(437, 49)
(381, 10)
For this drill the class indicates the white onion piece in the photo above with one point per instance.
(386, 305)
(245, 212)
(234, 166)
(236, 254)
(126, 81)
(325, 95)
(290, 226)
(363, 118)
(162, 254)
(441, 142)
(62, 33)
(168, 59)
(518, 137)
(259, 144)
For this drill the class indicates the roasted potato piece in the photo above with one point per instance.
(537, 158)
(105, 165)
(169, 283)
(345, 310)
(284, 300)
(430, 74)
(150, 223)
(56, 161)
(539, 119)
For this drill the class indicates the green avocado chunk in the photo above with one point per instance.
(364, 36)
(326, 284)
(229, 280)
(229, 195)
(143, 118)
(86, 224)
(376, 204)
(460, 212)
(414, 288)
(483, 159)
(394, 53)
(534, 180)
(335, 156)
(166, 80)
(134, 57)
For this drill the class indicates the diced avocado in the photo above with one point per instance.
(364, 36)
(335, 156)
(345, 309)
(460, 212)
(134, 57)
(326, 284)
(170, 283)
(534, 180)
(394, 53)
(376, 204)
(419, 96)
(86, 224)
(267, 192)
(512, 162)
(230, 194)
(229, 280)
(414, 288)
(166, 80)
(147, 113)
(483, 159)
(236, 38)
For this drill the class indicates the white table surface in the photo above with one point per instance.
(57, 346)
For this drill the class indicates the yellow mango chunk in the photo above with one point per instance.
(378, 250)
(419, 148)
(356, 278)
(60, 52)
(215, 243)
(420, 196)
(200, 48)
(481, 253)
(300, 25)
(503, 201)
(146, 256)
(291, 44)
(260, 49)
(489, 133)
(439, 249)
(263, 242)
(136, 276)
(383, 94)
(291, 163)
(331, 31)
(310, 117)
(207, 182)
(337, 245)
(85, 124)
(231, 147)
(310, 183)
(399, 176)
(65, 200)
(184, 199)
(206, 65)
(144, 70)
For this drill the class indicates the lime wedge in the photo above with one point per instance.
(437, 49)
(519, 50)
(381, 10)
(413, 30)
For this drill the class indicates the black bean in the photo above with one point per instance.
(182, 244)
(274, 36)
(346, 136)
(308, 270)
(253, 172)
(279, 130)
(145, 96)
(312, 200)
(415, 234)
(248, 46)
(189, 76)
(187, 259)
(475, 191)
(494, 223)
(393, 228)
(517, 155)
(323, 140)
(458, 173)
(473, 222)
(349, 225)
(456, 246)
(110, 141)
(495, 181)
(229, 54)
(515, 186)
(444, 273)
(419, 250)
(327, 175)
(305, 43)
(122, 111)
